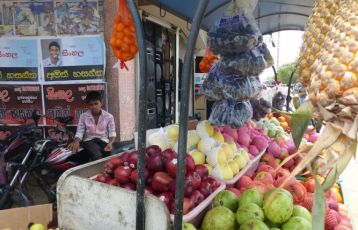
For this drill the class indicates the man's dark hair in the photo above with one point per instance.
(93, 96)
(53, 43)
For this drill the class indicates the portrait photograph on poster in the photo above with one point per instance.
(69, 58)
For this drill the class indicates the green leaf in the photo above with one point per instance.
(337, 170)
(300, 119)
(319, 207)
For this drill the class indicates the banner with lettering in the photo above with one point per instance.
(73, 58)
(18, 60)
(68, 100)
(18, 101)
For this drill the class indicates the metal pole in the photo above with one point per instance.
(177, 58)
(184, 107)
(142, 114)
(288, 98)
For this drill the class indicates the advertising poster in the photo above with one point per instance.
(34, 18)
(77, 17)
(67, 100)
(18, 60)
(18, 101)
(73, 58)
(6, 18)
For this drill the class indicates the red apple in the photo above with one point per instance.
(235, 191)
(133, 159)
(166, 197)
(113, 182)
(214, 183)
(148, 190)
(103, 177)
(155, 164)
(160, 182)
(171, 167)
(206, 188)
(188, 187)
(187, 205)
(122, 174)
(282, 173)
(189, 163)
(124, 157)
(264, 177)
(196, 197)
(112, 163)
(153, 150)
(129, 186)
(134, 175)
(195, 178)
(259, 186)
(297, 190)
(267, 168)
(172, 186)
(168, 154)
(202, 170)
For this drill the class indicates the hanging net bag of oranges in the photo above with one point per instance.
(123, 40)
(207, 62)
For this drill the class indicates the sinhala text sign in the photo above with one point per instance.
(18, 60)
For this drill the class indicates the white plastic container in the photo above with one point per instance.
(83, 203)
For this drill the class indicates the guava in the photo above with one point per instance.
(278, 208)
(219, 218)
(249, 211)
(297, 223)
(275, 229)
(254, 225)
(302, 212)
(250, 196)
(188, 226)
(227, 199)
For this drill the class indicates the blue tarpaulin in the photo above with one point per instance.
(271, 15)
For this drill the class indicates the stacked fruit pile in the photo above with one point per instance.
(283, 120)
(256, 210)
(272, 127)
(160, 174)
(224, 151)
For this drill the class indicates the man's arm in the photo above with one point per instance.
(112, 135)
(81, 127)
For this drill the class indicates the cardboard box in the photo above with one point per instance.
(19, 218)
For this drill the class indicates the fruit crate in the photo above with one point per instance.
(249, 169)
(83, 203)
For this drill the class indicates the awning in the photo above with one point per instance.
(271, 15)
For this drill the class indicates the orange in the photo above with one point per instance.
(117, 19)
(284, 125)
(131, 28)
(120, 27)
(117, 53)
(128, 40)
(118, 43)
(133, 49)
(112, 41)
(282, 119)
(127, 21)
(127, 31)
(119, 35)
(125, 48)
(127, 56)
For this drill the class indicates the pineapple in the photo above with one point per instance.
(317, 27)
(333, 90)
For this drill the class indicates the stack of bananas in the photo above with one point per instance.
(318, 25)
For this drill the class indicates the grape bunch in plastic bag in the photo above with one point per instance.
(247, 63)
(217, 86)
(230, 112)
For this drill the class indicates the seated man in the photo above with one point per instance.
(96, 129)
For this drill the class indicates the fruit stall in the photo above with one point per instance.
(245, 167)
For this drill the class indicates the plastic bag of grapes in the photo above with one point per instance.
(236, 31)
(231, 113)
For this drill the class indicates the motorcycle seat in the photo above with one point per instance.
(64, 120)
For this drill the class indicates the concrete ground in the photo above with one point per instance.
(350, 186)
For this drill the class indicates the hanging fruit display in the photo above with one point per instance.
(317, 27)
(123, 40)
(207, 62)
